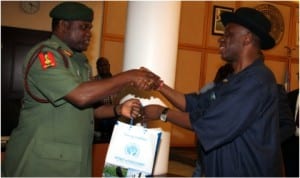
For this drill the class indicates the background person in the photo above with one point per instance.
(104, 127)
(290, 147)
(103, 68)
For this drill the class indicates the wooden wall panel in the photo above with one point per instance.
(188, 71)
(115, 17)
(278, 68)
(113, 51)
(192, 23)
(99, 154)
(187, 81)
(212, 63)
(295, 30)
(182, 137)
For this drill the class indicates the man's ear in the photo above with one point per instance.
(248, 39)
(64, 25)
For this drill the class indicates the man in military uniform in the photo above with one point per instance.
(55, 131)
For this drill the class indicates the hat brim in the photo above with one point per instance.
(267, 41)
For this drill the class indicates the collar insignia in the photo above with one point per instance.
(67, 52)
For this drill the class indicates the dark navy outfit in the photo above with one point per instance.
(237, 125)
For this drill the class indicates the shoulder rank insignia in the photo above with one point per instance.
(67, 52)
(47, 60)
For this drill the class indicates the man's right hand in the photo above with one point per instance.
(144, 80)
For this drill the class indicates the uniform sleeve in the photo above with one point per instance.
(52, 83)
(231, 110)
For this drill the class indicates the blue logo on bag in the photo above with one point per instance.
(132, 150)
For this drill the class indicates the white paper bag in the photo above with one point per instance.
(132, 151)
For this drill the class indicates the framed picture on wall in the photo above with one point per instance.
(217, 26)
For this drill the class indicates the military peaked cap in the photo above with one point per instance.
(72, 11)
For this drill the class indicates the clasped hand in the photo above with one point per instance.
(133, 108)
(144, 79)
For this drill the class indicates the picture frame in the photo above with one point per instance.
(217, 26)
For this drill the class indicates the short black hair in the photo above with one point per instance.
(54, 24)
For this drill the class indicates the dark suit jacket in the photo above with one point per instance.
(286, 118)
(292, 97)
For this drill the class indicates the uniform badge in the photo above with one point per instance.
(67, 52)
(47, 60)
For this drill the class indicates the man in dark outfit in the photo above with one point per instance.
(236, 122)
(104, 127)
(290, 147)
(103, 68)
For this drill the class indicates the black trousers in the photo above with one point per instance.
(290, 151)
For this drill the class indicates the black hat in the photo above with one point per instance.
(72, 11)
(253, 20)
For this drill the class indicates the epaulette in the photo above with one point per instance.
(56, 46)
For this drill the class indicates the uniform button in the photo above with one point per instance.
(92, 122)
(60, 156)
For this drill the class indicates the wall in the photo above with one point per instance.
(13, 16)
(198, 54)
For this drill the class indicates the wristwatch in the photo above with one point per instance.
(163, 115)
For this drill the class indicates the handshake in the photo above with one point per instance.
(144, 79)
(141, 79)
